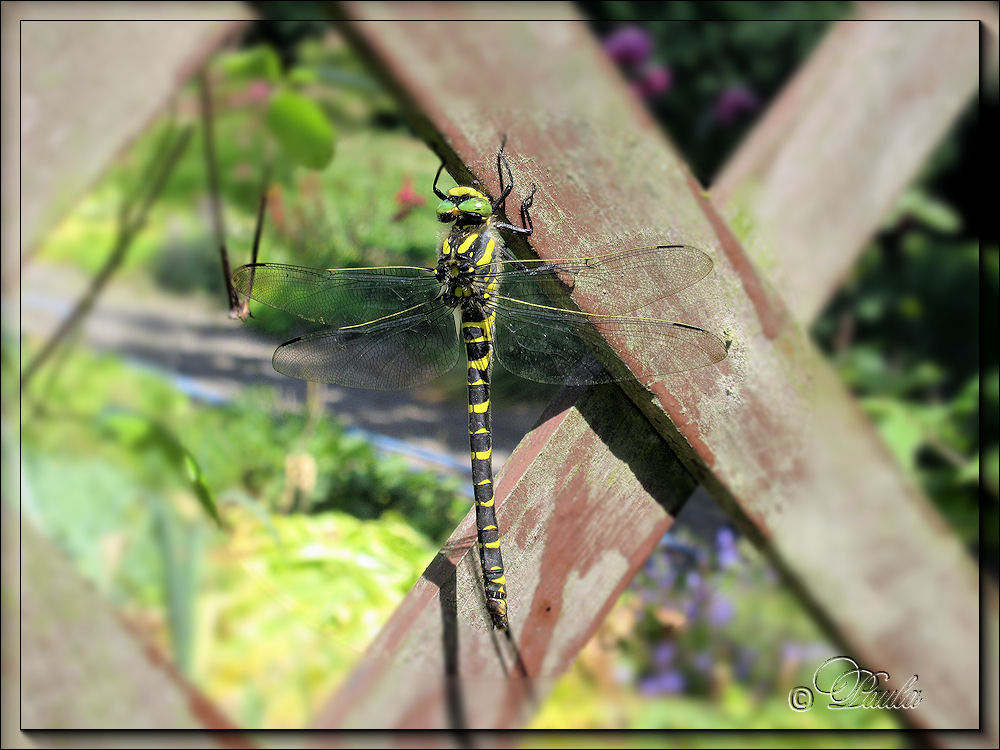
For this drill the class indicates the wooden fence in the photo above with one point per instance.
(770, 432)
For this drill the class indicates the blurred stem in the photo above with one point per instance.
(39, 403)
(948, 454)
(242, 311)
(131, 220)
(845, 332)
(214, 199)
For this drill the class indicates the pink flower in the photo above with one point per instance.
(258, 91)
(655, 80)
(629, 45)
(407, 198)
(733, 102)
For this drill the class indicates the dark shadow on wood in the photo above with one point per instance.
(521, 677)
(631, 438)
(442, 573)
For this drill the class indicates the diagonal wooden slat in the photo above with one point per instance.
(771, 432)
(850, 131)
(81, 667)
(68, 60)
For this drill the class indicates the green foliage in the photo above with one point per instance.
(125, 475)
(143, 434)
(301, 129)
(916, 204)
(252, 63)
(344, 214)
(297, 122)
(291, 604)
(100, 516)
(180, 542)
(902, 334)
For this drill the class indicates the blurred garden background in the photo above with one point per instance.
(260, 531)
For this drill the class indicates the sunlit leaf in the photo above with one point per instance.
(301, 128)
(917, 204)
(256, 62)
(140, 431)
(302, 74)
(899, 427)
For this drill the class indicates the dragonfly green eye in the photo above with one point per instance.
(446, 211)
(475, 206)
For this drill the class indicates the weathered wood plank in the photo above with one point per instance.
(770, 431)
(68, 65)
(83, 89)
(445, 644)
(80, 667)
(850, 131)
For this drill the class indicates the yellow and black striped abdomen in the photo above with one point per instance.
(473, 254)
(477, 332)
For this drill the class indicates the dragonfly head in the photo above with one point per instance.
(464, 205)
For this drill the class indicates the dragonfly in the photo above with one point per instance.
(396, 327)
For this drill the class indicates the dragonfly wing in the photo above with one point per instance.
(396, 352)
(550, 345)
(628, 281)
(337, 297)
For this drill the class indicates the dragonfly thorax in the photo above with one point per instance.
(465, 260)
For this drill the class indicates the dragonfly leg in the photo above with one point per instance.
(526, 227)
(525, 205)
(434, 187)
(502, 163)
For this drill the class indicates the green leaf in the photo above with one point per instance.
(139, 431)
(127, 427)
(301, 75)
(900, 427)
(301, 128)
(969, 473)
(255, 62)
(925, 209)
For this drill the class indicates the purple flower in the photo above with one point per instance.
(654, 80)
(693, 580)
(668, 579)
(665, 682)
(720, 611)
(815, 651)
(629, 45)
(691, 609)
(725, 545)
(792, 653)
(733, 102)
(663, 654)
